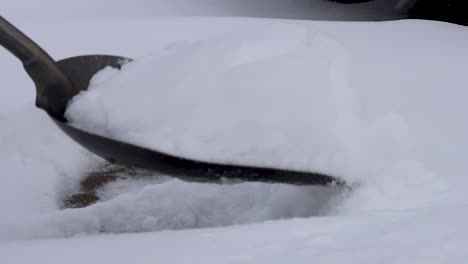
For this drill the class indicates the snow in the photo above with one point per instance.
(416, 236)
(403, 81)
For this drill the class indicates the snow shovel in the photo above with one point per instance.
(57, 82)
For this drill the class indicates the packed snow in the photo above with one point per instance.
(392, 120)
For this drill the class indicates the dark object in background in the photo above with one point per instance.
(453, 11)
(350, 1)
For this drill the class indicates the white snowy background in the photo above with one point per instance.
(401, 135)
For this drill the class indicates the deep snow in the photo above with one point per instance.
(408, 92)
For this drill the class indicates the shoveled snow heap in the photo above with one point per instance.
(274, 95)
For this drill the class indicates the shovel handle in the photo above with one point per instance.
(53, 88)
(19, 44)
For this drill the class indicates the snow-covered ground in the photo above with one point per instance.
(400, 133)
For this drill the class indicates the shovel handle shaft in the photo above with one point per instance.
(53, 88)
(19, 44)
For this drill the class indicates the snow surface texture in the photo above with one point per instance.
(403, 81)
